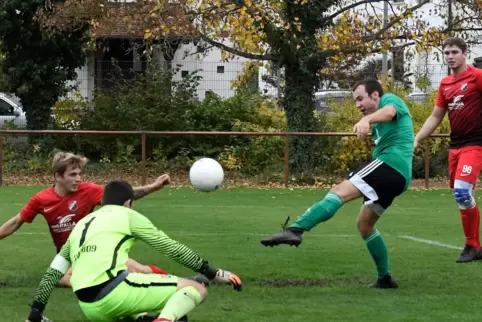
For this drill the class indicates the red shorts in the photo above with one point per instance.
(465, 164)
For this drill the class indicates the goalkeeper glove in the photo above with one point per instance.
(36, 310)
(222, 276)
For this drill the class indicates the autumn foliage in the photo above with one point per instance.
(307, 39)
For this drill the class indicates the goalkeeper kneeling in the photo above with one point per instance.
(98, 249)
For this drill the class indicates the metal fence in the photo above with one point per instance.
(143, 136)
(217, 77)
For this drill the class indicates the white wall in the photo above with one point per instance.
(207, 65)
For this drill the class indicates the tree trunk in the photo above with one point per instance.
(37, 111)
(299, 105)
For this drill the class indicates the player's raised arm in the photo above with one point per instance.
(51, 278)
(142, 228)
(140, 192)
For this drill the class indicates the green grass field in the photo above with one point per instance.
(323, 280)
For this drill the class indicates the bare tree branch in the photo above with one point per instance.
(239, 52)
(389, 25)
(353, 5)
(394, 21)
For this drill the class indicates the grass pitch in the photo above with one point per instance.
(324, 279)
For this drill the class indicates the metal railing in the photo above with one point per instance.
(143, 137)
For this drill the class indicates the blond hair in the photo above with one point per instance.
(62, 160)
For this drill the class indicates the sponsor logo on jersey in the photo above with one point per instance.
(456, 103)
(64, 223)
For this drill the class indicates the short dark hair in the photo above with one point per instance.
(455, 41)
(117, 192)
(371, 85)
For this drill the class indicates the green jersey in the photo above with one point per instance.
(394, 140)
(98, 248)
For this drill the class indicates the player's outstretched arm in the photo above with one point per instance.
(11, 226)
(54, 274)
(140, 192)
(142, 228)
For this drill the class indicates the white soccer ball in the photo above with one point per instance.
(206, 174)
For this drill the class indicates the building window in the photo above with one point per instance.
(184, 73)
(220, 69)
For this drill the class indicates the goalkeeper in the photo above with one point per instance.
(97, 250)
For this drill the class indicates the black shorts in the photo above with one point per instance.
(379, 183)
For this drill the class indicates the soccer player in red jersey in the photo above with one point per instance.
(460, 96)
(70, 200)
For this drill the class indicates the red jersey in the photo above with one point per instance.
(62, 213)
(461, 95)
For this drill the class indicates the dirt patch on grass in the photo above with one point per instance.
(277, 283)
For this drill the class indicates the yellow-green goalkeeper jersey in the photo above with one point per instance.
(99, 245)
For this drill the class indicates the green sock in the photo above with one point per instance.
(319, 212)
(378, 249)
(181, 303)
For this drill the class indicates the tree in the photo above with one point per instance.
(307, 39)
(2, 77)
(37, 65)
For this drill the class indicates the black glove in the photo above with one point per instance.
(36, 310)
(208, 271)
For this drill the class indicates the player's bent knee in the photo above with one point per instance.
(182, 283)
(364, 227)
(366, 221)
(463, 194)
(346, 190)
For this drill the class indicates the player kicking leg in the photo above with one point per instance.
(379, 182)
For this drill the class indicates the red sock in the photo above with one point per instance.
(471, 224)
(157, 270)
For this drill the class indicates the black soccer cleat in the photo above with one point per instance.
(468, 254)
(289, 236)
(385, 282)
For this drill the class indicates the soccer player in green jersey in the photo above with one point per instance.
(98, 249)
(379, 182)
